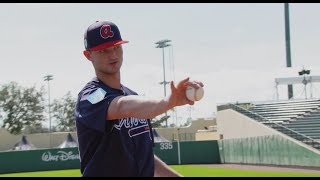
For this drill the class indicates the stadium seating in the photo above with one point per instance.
(309, 124)
(285, 111)
(299, 119)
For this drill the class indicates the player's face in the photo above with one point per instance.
(108, 60)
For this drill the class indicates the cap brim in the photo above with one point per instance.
(107, 45)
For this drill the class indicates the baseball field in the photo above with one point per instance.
(189, 171)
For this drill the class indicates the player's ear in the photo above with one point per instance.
(87, 54)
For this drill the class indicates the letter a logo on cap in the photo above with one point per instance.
(106, 32)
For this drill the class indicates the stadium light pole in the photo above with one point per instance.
(288, 49)
(48, 78)
(162, 44)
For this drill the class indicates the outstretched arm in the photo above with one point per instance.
(142, 107)
(161, 169)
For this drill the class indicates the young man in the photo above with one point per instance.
(113, 122)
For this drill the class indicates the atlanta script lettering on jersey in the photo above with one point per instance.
(136, 126)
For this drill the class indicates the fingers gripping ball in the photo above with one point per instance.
(194, 94)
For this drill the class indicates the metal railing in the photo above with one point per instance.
(283, 129)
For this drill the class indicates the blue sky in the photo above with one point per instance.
(236, 50)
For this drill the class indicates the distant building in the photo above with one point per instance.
(157, 137)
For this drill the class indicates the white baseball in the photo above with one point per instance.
(194, 94)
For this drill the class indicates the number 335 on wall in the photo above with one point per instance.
(165, 145)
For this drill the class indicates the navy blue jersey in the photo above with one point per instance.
(122, 147)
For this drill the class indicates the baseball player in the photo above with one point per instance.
(113, 122)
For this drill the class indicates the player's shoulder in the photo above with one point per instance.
(97, 86)
(92, 85)
(95, 91)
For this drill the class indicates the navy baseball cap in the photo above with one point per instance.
(102, 34)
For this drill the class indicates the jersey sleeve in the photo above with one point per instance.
(92, 108)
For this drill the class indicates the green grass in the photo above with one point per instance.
(200, 171)
(54, 173)
(185, 170)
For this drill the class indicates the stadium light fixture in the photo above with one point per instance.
(162, 44)
(49, 78)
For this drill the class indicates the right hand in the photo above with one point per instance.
(178, 93)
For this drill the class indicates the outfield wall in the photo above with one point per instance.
(39, 160)
(191, 152)
(267, 150)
